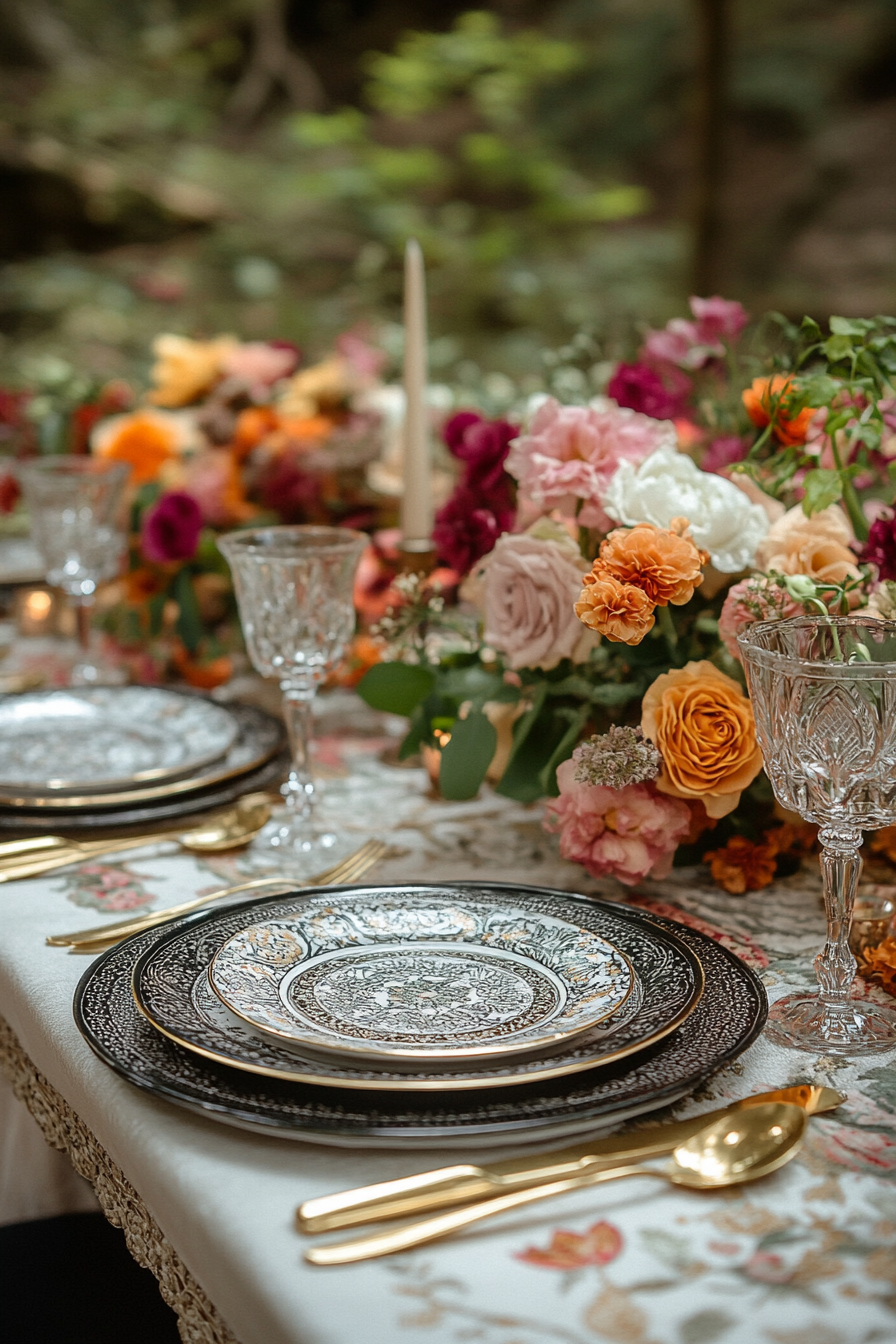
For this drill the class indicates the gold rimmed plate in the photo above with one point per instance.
(171, 988)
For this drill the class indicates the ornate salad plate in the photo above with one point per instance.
(726, 1019)
(107, 737)
(420, 976)
(171, 987)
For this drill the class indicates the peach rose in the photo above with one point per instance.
(702, 723)
(817, 546)
(621, 611)
(665, 564)
(184, 370)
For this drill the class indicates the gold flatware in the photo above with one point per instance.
(465, 1182)
(223, 830)
(349, 869)
(741, 1147)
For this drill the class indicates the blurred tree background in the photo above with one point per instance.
(256, 166)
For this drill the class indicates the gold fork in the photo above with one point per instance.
(97, 939)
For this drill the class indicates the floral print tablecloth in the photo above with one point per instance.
(806, 1257)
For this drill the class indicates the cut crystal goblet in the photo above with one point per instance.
(294, 588)
(77, 525)
(824, 698)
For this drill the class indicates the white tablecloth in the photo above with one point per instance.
(805, 1257)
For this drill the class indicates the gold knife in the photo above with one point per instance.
(465, 1182)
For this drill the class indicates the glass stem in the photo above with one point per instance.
(83, 613)
(835, 965)
(298, 790)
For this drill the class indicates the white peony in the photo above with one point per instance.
(670, 485)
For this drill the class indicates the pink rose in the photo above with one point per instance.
(530, 588)
(718, 317)
(260, 364)
(626, 833)
(755, 599)
(571, 452)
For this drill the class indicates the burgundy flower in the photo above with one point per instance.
(880, 548)
(466, 529)
(10, 493)
(171, 529)
(484, 449)
(724, 452)
(455, 428)
(642, 389)
(291, 492)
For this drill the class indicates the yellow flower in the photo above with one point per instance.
(184, 370)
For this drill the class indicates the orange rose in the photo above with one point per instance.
(769, 401)
(743, 865)
(620, 611)
(702, 723)
(147, 440)
(667, 566)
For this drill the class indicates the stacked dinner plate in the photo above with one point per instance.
(111, 756)
(420, 1016)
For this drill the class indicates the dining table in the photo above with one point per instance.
(806, 1255)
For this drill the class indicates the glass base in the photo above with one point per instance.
(296, 847)
(96, 672)
(804, 1022)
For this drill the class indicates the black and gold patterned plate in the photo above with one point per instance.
(728, 1017)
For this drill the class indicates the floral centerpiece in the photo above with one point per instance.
(229, 433)
(608, 554)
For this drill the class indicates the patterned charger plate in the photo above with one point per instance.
(422, 976)
(107, 737)
(728, 1017)
(171, 986)
(259, 738)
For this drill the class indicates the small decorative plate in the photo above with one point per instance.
(728, 1018)
(171, 987)
(107, 737)
(420, 977)
(260, 737)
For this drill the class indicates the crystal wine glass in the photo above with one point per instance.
(824, 698)
(294, 589)
(77, 525)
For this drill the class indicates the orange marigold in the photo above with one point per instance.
(621, 611)
(769, 400)
(879, 964)
(743, 865)
(664, 563)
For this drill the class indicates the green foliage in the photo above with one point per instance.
(397, 688)
(467, 756)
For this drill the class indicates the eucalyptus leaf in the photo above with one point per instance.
(467, 756)
(396, 688)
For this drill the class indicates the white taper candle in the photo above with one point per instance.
(416, 502)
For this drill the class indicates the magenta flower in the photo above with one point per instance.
(456, 427)
(724, 452)
(484, 446)
(467, 528)
(641, 388)
(171, 529)
(719, 318)
(626, 833)
(571, 452)
(880, 549)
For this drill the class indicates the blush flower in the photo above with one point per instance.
(171, 529)
(570, 453)
(626, 833)
(668, 485)
(529, 587)
(817, 546)
(754, 599)
(702, 724)
(260, 364)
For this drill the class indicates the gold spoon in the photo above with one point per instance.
(222, 830)
(739, 1147)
